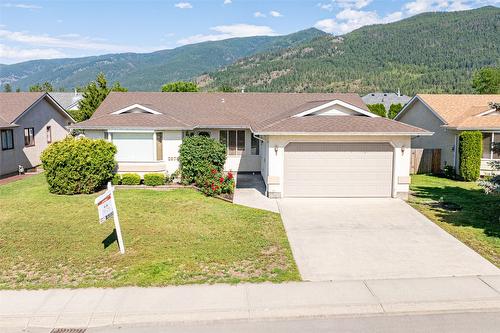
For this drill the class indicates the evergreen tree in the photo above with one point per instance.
(7, 87)
(378, 109)
(46, 87)
(180, 86)
(394, 110)
(487, 80)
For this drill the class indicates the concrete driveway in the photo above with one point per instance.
(344, 239)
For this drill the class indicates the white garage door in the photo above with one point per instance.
(328, 169)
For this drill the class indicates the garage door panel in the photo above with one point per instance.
(338, 169)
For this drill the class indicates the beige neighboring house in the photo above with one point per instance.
(303, 145)
(447, 115)
(29, 122)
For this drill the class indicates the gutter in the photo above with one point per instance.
(350, 133)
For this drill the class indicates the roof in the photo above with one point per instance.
(260, 112)
(68, 100)
(386, 98)
(463, 111)
(14, 104)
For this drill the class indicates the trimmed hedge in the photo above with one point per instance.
(471, 150)
(116, 180)
(154, 179)
(131, 179)
(199, 153)
(78, 165)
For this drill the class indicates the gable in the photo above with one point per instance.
(335, 108)
(136, 108)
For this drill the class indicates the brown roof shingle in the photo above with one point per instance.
(245, 110)
(12, 105)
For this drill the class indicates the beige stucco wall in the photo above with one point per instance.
(276, 155)
(419, 115)
(40, 116)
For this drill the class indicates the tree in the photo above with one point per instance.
(394, 110)
(46, 87)
(18, 89)
(487, 80)
(93, 95)
(378, 109)
(226, 88)
(180, 86)
(7, 87)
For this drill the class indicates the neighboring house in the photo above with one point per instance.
(29, 122)
(304, 145)
(68, 100)
(386, 98)
(447, 116)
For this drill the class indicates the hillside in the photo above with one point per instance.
(431, 52)
(147, 71)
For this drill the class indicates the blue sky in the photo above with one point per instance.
(72, 28)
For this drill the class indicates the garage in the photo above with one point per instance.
(333, 169)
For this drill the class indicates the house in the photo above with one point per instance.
(386, 98)
(68, 100)
(29, 122)
(303, 145)
(447, 115)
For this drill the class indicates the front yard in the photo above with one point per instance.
(174, 237)
(463, 210)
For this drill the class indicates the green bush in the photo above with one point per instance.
(394, 110)
(199, 153)
(78, 165)
(116, 180)
(378, 109)
(212, 182)
(471, 150)
(154, 179)
(131, 179)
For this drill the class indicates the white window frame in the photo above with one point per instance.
(492, 140)
(238, 151)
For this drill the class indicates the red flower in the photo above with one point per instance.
(214, 171)
(230, 175)
(221, 180)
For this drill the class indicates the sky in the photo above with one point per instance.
(74, 28)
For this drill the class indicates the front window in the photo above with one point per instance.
(234, 141)
(29, 136)
(496, 141)
(487, 145)
(135, 146)
(255, 146)
(7, 138)
(49, 134)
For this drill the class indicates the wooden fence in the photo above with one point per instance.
(425, 161)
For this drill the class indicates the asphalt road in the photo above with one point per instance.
(483, 322)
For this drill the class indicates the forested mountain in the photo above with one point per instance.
(147, 71)
(431, 52)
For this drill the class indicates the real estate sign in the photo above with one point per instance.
(106, 208)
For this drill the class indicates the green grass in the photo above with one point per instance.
(174, 237)
(463, 210)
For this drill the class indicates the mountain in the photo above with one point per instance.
(147, 71)
(431, 52)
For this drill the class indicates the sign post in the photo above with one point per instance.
(106, 208)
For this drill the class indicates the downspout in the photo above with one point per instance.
(455, 155)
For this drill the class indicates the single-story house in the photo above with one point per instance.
(447, 115)
(386, 98)
(29, 122)
(303, 145)
(68, 100)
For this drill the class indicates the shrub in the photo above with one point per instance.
(394, 110)
(78, 165)
(131, 179)
(450, 172)
(154, 179)
(378, 109)
(470, 150)
(213, 182)
(116, 180)
(199, 154)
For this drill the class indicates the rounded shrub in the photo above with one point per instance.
(131, 179)
(154, 179)
(78, 165)
(116, 180)
(197, 153)
(471, 150)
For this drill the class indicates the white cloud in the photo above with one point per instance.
(13, 54)
(325, 6)
(229, 31)
(350, 19)
(275, 13)
(227, 2)
(183, 5)
(21, 5)
(69, 41)
(358, 4)
(259, 14)
(421, 6)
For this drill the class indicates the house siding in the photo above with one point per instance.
(40, 116)
(419, 115)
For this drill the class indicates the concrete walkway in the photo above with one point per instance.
(250, 191)
(81, 308)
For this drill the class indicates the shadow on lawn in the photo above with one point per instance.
(112, 237)
(463, 207)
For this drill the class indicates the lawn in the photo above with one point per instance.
(463, 210)
(171, 237)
